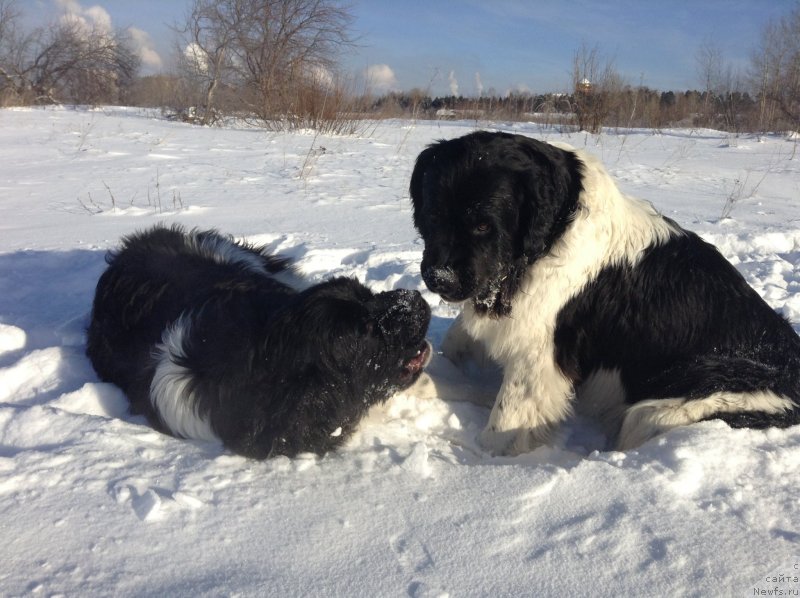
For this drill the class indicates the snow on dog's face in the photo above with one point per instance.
(488, 205)
(374, 342)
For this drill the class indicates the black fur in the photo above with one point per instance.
(681, 323)
(273, 369)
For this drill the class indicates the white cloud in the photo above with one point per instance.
(451, 78)
(144, 48)
(100, 18)
(94, 18)
(381, 78)
(197, 57)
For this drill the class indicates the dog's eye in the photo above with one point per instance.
(369, 327)
(481, 228)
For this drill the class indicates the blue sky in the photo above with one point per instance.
(471, 46)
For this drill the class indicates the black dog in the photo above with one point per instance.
(213, 339)
(577, 290)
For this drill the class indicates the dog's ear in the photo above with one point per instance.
(424, 160)
(549, 180)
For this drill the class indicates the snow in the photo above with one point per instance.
(95, 502)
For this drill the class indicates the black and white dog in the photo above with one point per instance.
(580, 292)
(213, 339)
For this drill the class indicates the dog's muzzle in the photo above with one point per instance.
(443, 281)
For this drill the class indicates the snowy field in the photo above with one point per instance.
(95, 503)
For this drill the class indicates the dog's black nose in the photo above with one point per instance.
(403, 312)
(442, 280)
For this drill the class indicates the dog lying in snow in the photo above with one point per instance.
(214, 339)
(583, 294)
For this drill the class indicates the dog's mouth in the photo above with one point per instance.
(411, 368)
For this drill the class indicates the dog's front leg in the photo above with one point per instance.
(533, 400)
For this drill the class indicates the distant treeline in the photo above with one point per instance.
(587, 109)
(628, 107)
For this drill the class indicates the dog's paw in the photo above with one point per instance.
(509, 443)
(495, 442)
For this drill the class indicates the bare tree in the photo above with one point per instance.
(597, 86)
(273, 53)
(726, 102)
(85, 66)
(290, 46)
(776, 72)
(68, 61)
(206, 53)
(12, 47)
(710, 67)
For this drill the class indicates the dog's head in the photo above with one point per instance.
(487, 205)
(372, 343)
